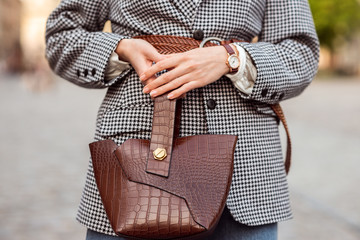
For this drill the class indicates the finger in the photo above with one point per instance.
(165, 56)
(154, 55)
(182, 96)
(165, 63)
(165, 78)
(176, 83)
(141, 65)
(144, 83)
(149, 80)
(183, 89)
(170, 55)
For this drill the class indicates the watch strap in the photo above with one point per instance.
(229, 49)
(230, 52)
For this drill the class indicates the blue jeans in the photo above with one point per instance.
(227, 229)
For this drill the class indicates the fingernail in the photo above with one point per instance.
(146, 90)
(152, 93)
(142, 77)
(170, 96)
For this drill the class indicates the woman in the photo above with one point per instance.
(277, 67)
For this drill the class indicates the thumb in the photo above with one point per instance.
(152, 54)
(141, 66)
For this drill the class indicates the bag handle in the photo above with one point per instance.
(162, 135)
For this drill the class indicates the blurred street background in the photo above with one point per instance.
(46, 124)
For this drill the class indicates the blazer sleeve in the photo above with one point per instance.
(76, 47)
(287, 53)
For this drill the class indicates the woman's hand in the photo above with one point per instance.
(139, 53)
(189, 70)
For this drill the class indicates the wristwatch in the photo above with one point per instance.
(233, 61)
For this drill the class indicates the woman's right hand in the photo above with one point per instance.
(139, 53)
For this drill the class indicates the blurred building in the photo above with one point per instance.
(22, 37)
(10, 49)
(346, 58)
(22, 31)
(32, 31)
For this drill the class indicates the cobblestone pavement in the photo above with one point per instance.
(44, 156)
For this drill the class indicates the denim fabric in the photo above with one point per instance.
(227, 229)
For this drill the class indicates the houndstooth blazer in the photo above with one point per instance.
(286, 58)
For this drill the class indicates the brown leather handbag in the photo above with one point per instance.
(167, 187)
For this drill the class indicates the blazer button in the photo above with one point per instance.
(198, 34)
(273, 96)
(264, 92)
(211, 103)
(93, 71)
(282, 95)
(78, 73)
(86, 72)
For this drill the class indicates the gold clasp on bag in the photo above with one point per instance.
(160, 154)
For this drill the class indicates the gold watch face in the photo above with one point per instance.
(234, 62)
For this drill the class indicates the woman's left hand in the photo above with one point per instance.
(186, 71)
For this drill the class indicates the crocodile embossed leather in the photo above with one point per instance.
(182, 198)
(166, 187)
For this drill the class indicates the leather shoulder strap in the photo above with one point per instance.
(279, 112)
